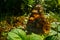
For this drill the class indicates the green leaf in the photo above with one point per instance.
(35, 37)
(58, 27)
(13, 36)
(59, 36)
(30, 2)
(51, 38)
(53, 24)
(52, 32)
(20, 32)
(59, 2)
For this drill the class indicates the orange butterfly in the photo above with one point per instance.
(37, 22)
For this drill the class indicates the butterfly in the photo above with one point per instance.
(37, 22)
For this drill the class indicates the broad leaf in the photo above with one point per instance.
(18, 32)
(13, 36)
(35, 37)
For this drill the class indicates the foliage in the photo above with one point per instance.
(35, 37)
(18, 34)
(52, 5)
(51, 38)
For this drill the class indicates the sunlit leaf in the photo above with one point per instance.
(52, 32)
(35, 37)
(30, 2)
(17, 34)
(59, 2)
(20, 32)
(13, 36)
